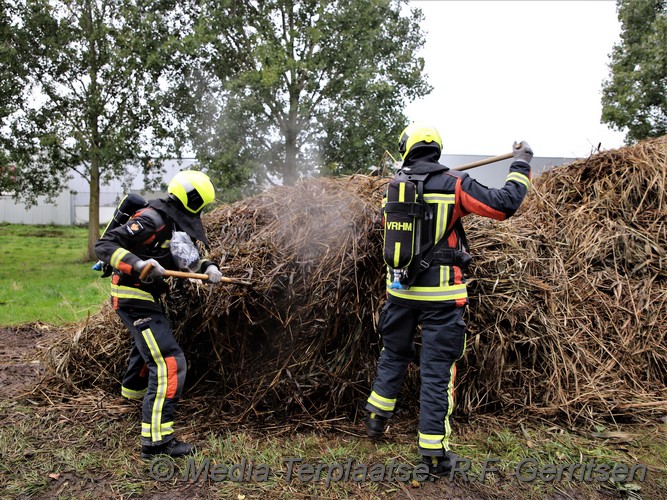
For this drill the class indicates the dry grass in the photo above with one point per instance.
(569, 298)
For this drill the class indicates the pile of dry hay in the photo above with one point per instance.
(568, 301)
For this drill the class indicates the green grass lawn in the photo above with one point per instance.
(43, 276)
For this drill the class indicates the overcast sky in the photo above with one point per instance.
(506, 70)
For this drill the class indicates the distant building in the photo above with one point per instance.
(494, 174)
(71, 206)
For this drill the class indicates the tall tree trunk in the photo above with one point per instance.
(93, 208)
(93, 124)
(290, 175)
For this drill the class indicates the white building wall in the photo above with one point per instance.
(60, 212)
(71, 206)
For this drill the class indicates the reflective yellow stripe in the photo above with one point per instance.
(397, 252)
(450, 406)
(450, 396)
(131, 393)
(518, 177)
(428, 293)
(443, 202)
(160, 393)
(167, 428)
(431, 441)
(145, 430)
(165, 244)
(117, 256)
(126, 292)
(439, 198)
(380, 402)
(401, 191)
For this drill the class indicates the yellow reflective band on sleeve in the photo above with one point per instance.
(516, 176)
(127, 292)
(145, 430)
(430, 293)
(131, 393)
(161, 391)
(431, 441)
(165, 244)
(378, 401)
(117, 256)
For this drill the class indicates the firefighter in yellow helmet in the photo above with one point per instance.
(431, 289)
(156, 365)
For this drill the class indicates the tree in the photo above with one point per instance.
(319, 86)
(97, 71)
(12, 74)
(12, 77)
(635, 96)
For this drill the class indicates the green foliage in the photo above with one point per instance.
(311, 86)
(43, 277)
(11, 73)
(97, 67)
(635, 97)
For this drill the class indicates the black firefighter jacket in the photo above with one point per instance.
(145, 236)
(452, 195)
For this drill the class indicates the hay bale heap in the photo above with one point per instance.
(298, 339)
(568, 301)
(302, 337)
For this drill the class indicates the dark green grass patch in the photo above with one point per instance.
(43, 276)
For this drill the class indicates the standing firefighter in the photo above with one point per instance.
(427, 254)
(156, 366)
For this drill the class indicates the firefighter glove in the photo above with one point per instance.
(213, 273)
(522, 152)
(156, 269)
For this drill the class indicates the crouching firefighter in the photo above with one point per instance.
(156, 365)
(426, 253)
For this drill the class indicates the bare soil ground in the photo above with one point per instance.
(18, 368)
(20, 371)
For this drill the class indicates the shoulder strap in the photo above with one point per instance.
(426, 260)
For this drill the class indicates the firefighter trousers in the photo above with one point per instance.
(156, 371)
(443, 340)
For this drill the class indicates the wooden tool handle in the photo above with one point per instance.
(486, 161)
(144, 272)
(182, 274)
(177, 274)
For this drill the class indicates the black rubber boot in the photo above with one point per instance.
(375, 425)
(172, 448)
(441, 465)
